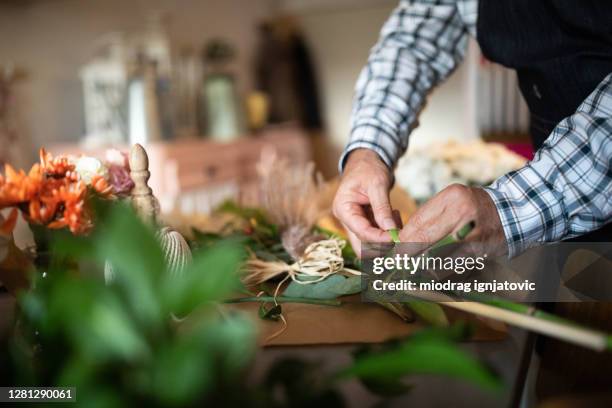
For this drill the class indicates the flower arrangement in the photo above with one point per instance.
(55, 192)
(425, 171)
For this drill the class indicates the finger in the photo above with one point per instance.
(427, 226)
(381, 207)
(397, 217)
(432, 222)
(353, 216)
(355, 242)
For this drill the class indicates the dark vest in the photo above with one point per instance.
(560, 49)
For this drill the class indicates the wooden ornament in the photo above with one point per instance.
(177, 253)
(143, 200)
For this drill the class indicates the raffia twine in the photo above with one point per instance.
(320, 260)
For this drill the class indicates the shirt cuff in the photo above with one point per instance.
(529, 210)
(375, 139)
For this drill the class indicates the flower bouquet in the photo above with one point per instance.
(56, 192)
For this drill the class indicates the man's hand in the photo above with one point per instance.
(362, 200)
(451, 209)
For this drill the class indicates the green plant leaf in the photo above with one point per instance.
(212, 276)
(429, 312)
(247, 213)
(386, 387)
(205, 238)
(233, 338)
(329, 288)
(137, 260)
(432, 353)
(180, 373)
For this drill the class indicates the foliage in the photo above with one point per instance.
(118, 344)
(432, 351)
(429, 312)
(122, 344)
(259, 235)
(329, 288)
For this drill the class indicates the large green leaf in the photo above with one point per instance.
(427, 354)
(181, 372)
(98, 323)
(212, 276)
(429, 312)
(329, 288)
(138, 262)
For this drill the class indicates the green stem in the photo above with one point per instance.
(455, 238)
(285, 299)
(518, 308)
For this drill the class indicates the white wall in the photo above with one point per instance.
(341, 38)
(52, 39)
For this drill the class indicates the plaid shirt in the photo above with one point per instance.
(565, 191)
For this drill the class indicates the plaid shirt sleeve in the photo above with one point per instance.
(419, 46)
(566, 190)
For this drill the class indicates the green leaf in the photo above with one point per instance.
(95, 319)
(233, 338)
(110, 317)
(398, 309)
(429, 312)
(137, 260)
(329, 288)
(205, 238)
(212, 276)
(180, 373)
(272, 313)
(246, 213)
(386, 387)
(427, 354)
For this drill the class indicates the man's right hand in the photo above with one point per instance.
(362, 201)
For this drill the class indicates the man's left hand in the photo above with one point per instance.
(451, 209)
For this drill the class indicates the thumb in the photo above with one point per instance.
(381, 207)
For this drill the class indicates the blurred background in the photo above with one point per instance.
(207, 85)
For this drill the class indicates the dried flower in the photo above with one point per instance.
(120, 180)
(289, 194)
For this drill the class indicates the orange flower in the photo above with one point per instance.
(101, 186)
(75, 215)
(56, 167)
(17, 187)
(51, 194)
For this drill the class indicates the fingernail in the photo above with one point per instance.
(388, 223)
